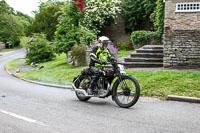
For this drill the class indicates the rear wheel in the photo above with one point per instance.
(126, 92)
(82, 83)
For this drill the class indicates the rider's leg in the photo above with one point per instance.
(98, 72)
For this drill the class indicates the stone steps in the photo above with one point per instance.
(143, 64)
(143, 59)
(146, 56)
(153, 47)
(149, 50)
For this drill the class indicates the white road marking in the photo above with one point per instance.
(23, 118)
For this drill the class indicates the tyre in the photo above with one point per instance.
(82, 83)
(126, 92)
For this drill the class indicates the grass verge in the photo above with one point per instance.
(12, 64)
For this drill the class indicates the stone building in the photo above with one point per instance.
(182, 33)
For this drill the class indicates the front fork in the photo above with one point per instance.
(123, 85)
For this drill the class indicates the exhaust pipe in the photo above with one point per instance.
(81, 91)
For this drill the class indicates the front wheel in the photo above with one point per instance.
(126, 91)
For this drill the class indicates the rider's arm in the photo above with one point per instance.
(93, 55)
(109, 55)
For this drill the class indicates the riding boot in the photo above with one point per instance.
(90, 90)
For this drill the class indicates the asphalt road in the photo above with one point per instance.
(30, 108)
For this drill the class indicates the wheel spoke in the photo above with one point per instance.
(119, 93)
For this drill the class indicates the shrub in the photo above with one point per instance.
(39, 50)
(78, 54)
(17, 42)
(143, 37)
(123, 46)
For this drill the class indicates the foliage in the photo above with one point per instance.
(46, 19)
(78, 53)
(39, 50)
(23, 41)
(159, 17)
(24, 19)
(86, 37)
(12, 24)
(142, 37)
(137, 11)
(100, 13)
(158, 20)
(11, 29)
(122, 45)
(5, 8)
(68, 32)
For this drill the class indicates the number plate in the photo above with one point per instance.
(121, 68)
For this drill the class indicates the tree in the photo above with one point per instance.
(24, 19)
(137, 11)
(5, 8)
(39, 50)
(46, 19)
(100, 13)
(69, 32)
(11, 28)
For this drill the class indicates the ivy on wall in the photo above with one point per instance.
(137, 11)
(157, 17)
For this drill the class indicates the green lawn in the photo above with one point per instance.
(12, 64)
(163, 83)
(60, 62)
(121, 53)
(23, 41)
(159, 83)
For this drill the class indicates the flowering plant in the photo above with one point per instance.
(99, 13)
(113, 50)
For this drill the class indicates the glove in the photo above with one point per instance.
(103, 62)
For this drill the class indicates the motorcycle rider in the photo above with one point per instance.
(98, 58)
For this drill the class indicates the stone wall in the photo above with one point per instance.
(182, 49)
(181, 37)
(180, 20)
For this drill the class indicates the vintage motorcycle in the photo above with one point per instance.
(124, 89)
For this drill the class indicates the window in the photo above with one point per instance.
(188, 7)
